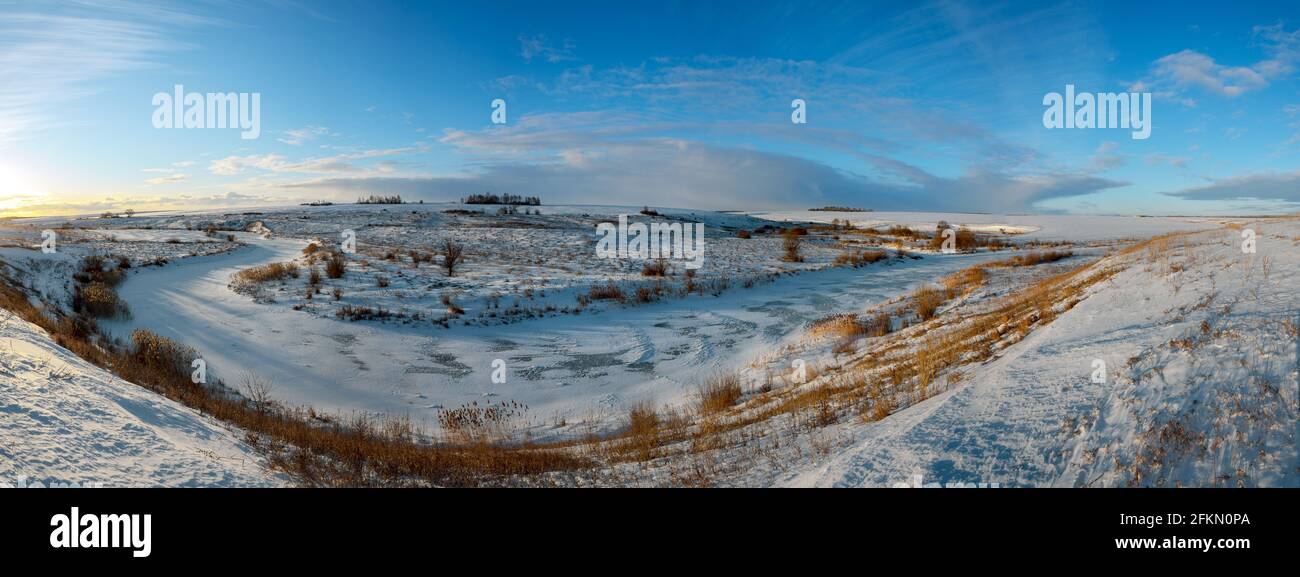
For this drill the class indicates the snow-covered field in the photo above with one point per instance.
(1077, 228)
(517, 322)
(1180, 370)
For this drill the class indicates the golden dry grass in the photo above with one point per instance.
(926, 302)
(718, 393)
(268, 272)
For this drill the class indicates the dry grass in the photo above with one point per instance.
(926, 302)
(657, 267)
(99, 300)
(718, 393)
(857, 258)
(640, 439)
(268, 272)
(881, 379)
(1033, 258)
(608, 291)
(836, 326)
(313, 449)
(336, 265)
(879, 325)
(906, 368)
(963, 281)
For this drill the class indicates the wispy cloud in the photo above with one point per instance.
(329, 164)
(298, 136)
(538, 46)
(48, 57)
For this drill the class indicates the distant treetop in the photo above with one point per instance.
(839, 209)
(513, 199)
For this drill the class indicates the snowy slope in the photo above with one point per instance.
(1200, 350)
(66, 422)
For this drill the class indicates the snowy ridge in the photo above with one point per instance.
(1200, 350)
(66, 422)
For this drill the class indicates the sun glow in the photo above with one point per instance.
(17, 189)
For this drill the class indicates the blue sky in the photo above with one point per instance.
(910, 105)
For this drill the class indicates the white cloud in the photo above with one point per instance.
(1268, 186)
(1191, 69)
(48, 59)
(571, 167)
(329, 164)
(298, 136)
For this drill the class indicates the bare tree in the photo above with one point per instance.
(453, 253)
(257, 389)
(790, 242)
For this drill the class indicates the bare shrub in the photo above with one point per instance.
(162, 359)
(100, 300)
(904, 232)
(963, 239)
(607, 291)
(418, 257)
(257, 389)
(657, 267)
(336, 265)
(453, 253)
(790, 246)
(452, 309)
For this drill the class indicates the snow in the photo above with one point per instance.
(582, 370)
(1180, 404)
(1221, 413)
(64, 422)
(1077, 228)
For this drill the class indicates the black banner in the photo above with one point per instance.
(937, 525)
